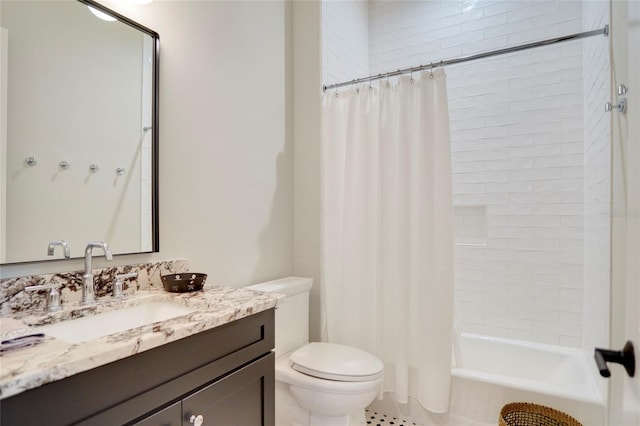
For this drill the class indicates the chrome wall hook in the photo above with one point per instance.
(94, 168)
(64, 164)
(31, 161)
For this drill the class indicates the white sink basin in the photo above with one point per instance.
(107, 323)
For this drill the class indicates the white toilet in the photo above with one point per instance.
(329, 384)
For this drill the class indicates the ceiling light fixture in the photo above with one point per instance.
(100, 14)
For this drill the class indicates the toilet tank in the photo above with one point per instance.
(292, 314)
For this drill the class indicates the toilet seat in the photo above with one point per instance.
(336, 362)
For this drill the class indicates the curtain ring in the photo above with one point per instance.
(411, 76)
(431, 71)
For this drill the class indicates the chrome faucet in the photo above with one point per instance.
(88, 290)
(61, 243)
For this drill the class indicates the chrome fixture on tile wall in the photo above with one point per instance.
(621, 106)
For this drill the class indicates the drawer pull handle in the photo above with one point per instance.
(196, 420)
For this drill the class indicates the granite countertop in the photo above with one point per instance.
(55, 359)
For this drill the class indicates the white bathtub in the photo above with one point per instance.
(491, 372)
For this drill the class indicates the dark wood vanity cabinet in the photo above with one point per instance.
(239, 399)
(225, 375)
(168, 416)
(235, 400)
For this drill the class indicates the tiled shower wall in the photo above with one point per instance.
(597, 157)
(516, 135)
(345, 37)
(517, 132)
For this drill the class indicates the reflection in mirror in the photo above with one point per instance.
(79, 130)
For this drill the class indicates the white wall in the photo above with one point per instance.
(225, 147)
(517, 141)
(307, 82)
(4, 46)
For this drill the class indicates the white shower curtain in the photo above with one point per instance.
(387, 253)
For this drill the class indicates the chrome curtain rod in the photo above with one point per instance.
(432, 65)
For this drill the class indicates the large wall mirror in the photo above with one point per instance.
(79, 130)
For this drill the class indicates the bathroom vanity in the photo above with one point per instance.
(212, 366)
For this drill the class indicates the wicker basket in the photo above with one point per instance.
(527, 414)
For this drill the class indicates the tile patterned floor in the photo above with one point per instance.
(379, 419)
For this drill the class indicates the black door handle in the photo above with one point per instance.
(626, 357)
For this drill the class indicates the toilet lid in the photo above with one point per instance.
(336, 362)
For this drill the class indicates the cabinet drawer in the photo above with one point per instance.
(169, 416)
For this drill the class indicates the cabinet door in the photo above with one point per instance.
(169, 416)
(243, 398)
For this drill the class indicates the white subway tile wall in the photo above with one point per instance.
(470, 225)
(597, 155)
(345, 40)
(510, 127)
(529, 143)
